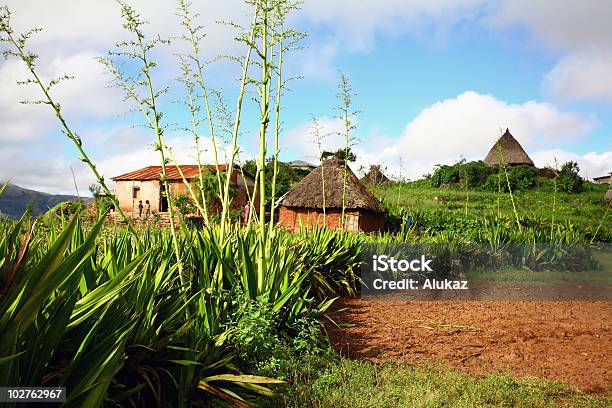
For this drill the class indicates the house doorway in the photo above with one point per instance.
(163, 199)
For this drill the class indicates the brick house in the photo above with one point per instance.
(304, 203)
(145, 184)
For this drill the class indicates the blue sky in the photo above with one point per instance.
(435, 80)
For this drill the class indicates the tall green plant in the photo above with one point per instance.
(316, 131)
(347, 115)
(193, 36)
(503, 166)
(285, 39)
(249, 40)
(141, 91)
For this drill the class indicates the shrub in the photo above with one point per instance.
(184, 204)
(444, 174)
(520, 177)
(473, 174)
(569, 180)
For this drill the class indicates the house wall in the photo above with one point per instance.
(371, 222)
(149, 190)
(355, 220)
(603, 180)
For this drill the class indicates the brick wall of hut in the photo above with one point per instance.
(355, 220)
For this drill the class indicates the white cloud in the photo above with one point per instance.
(555, 23)
(299, 142)
(566, 26)
(591, 164)
(582, 76)
(73, 25)
(558, 24)
(83, 97)
(48, 168)
(317, 63)
(356, 23)
(467, 126)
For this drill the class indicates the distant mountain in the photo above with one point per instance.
(14, 200)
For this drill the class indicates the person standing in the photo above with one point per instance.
(140, 208)
(247, 211)
(147, 209)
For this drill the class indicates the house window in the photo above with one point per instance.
(135, 192)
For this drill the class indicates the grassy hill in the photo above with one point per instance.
(584, 211)
(14, 200)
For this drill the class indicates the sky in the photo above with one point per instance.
(435, 82)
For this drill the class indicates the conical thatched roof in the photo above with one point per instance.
(308, 193)
(512, 151)
(375, 176)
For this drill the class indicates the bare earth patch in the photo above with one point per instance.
(569, 341)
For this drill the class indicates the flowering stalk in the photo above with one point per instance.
(193, 37)
(234, 145)
(138, 50)
(345, 95)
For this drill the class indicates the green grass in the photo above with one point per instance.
(603, 275)
(541, 277)
(585, 210)
(356, 384)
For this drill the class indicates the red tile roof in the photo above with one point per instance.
(154, 172)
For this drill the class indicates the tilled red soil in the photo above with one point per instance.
(569, 341)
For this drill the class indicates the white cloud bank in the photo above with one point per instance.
(591, 164)
(466, 127)
(585, 75)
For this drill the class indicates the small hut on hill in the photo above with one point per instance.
(375, 176)
(512, 151)
(304, 203)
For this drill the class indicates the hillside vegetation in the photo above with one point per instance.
(14, 201)
(460, 211)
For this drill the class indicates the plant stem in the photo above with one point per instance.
(264, 91)
(160, 144)
(234, 151)
(502, 162)
(277, 128)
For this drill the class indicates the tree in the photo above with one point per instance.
(569, 180)
(286, 176)
(341, 153)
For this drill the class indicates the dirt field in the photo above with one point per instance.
(569, 341)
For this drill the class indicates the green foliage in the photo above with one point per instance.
(157, 341)
(442, 212)
(254, 332)
(569, 180)
(477, 175)
(472, 174)
(521, 178)
(62, 210)
(287, 176)
(356, 384)
(341, 153)
(184, 204)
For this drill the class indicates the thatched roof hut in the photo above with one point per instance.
(375, 176)
(512, 151)
(304, 203)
